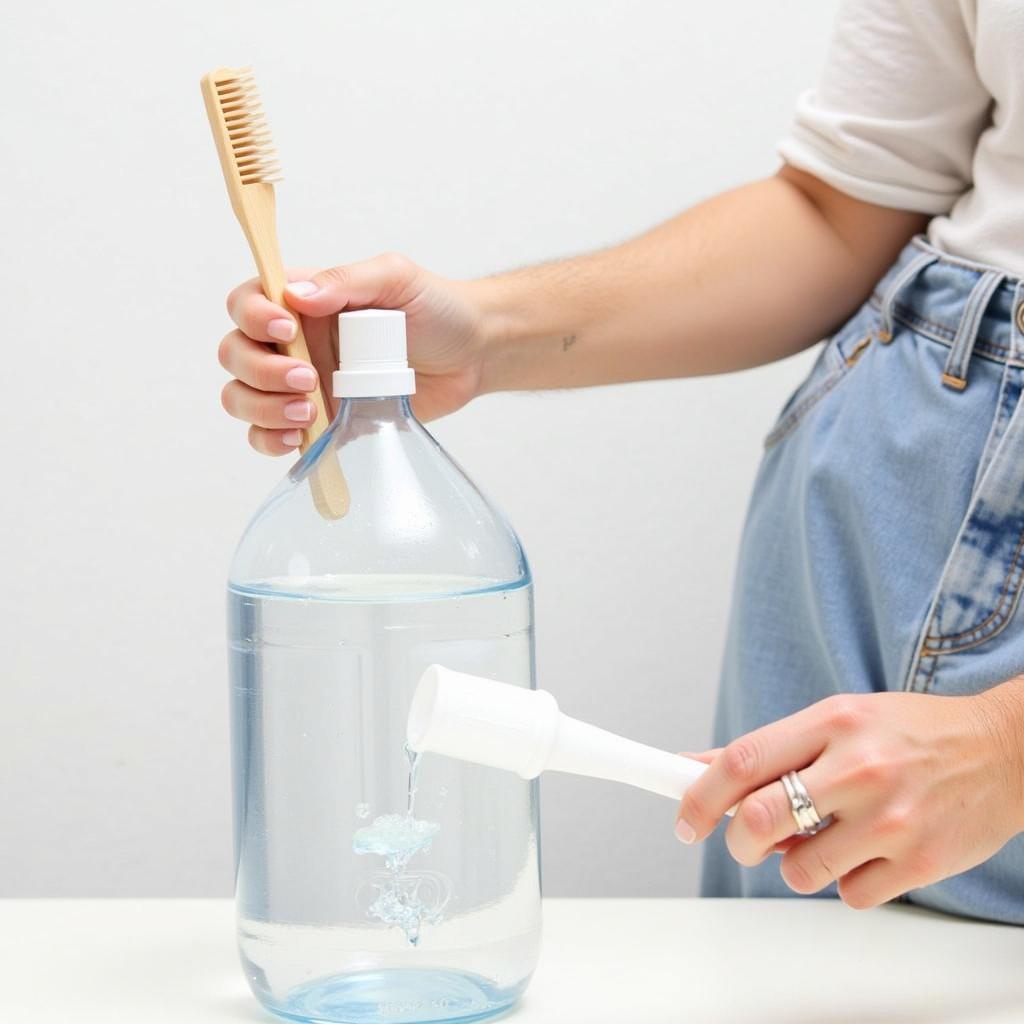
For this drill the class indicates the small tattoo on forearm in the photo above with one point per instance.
(568, 340)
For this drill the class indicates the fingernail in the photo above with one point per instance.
(282, 330)
(685, 832)
(302, 378)
(292, 438)
(302, 288)
(298, 411)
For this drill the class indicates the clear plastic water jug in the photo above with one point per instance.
(372, 885)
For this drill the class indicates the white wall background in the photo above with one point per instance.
(472, 136)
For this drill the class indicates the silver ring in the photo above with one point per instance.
(805, 814)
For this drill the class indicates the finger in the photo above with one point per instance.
(274, 442)
(826, 857)
(279, 412)
(257, 316)
(765, 817)
(389, 281)
(256, 365)
(873, 883)
(748, 763)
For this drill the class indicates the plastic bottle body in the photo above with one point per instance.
(331, 623)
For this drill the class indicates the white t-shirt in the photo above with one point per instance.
(921, 107)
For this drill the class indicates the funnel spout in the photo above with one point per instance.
(522, 730)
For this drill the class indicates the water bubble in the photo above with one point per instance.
(362, 810)
(395, 837)
(399, 902)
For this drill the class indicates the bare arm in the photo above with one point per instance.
(744, 278)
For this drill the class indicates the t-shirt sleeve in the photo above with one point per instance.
(896, 115)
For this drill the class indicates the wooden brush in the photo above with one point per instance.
(250, 167)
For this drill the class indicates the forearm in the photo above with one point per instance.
(741, 279)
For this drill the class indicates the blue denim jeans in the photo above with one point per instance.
(884, 544)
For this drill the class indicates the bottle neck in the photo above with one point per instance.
(365, 415)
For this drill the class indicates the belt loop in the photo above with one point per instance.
(1017, 322)
(902, 279)
(955, 373)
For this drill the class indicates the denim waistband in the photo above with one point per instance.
(933, 296)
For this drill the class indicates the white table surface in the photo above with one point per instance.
(648, 961)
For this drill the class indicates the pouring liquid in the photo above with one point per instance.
(403, 900)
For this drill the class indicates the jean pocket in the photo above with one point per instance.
(838, 355)
(982, 582)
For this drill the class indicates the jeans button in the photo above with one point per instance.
(1020, 318)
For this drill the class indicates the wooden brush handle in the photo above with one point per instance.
(272, 278)
(298, 349)
(249, 165)
(330, 492)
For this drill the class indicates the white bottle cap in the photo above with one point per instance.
(373, 357)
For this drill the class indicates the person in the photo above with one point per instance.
(872, 680)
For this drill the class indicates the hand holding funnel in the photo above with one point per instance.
(522, 731)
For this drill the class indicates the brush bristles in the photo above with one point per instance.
(248, 132)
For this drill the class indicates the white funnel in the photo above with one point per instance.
(521, 730)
